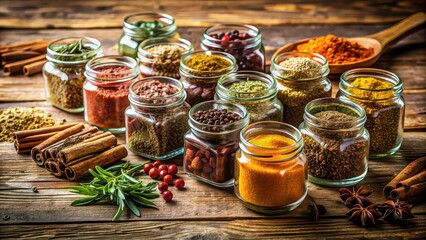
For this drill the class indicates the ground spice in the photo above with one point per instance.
(22, 118)
(249, 86)
(300, 68)
(206, 65)
(383, 117)
(335, 49)
(270, 184)
(164, 60)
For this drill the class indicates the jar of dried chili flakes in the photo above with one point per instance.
(106, 91)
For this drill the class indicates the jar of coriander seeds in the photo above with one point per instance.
(64, 71)
(379, 92)
(301, 77)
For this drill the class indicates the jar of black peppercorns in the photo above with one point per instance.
(212, 141)
(244, 42)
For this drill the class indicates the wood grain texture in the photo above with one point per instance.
(110, 13)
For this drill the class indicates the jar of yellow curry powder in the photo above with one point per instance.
(379, 92)
(271, 168)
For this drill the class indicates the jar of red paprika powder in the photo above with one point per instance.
(106, 91)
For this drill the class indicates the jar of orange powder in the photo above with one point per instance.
(271, 168)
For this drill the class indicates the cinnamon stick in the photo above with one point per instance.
(15, 67)
(34, 67)
(36, 153)
(26, 145)
(78, 170)
(22, 151)
(86, 148)
(410, 170)
(54, 168)
(410, 194)
(19, 55)
(27, 133)
(22, 44)
(37, 137)
(418, 178)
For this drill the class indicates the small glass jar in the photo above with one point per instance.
(64, 74)
(249, 52)
(165, 63)
(106, 91)
(295, 93)
(133, 34)
(336, 142)
(209, 155)
(155, 127)
(200, 85)
(271, 179)
(261, 105)
(385, 108)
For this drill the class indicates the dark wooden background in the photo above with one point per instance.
(203, 211)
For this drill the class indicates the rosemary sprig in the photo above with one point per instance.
(117, 185)
(76, 48)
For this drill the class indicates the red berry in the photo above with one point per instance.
(172, 170)
(162, 167)
(167, 196)
(163, 173)
(162, 187)
(147, 167)
(157, 164)
(153, 173)
(225, 38)
(168, 179)
(179, 183)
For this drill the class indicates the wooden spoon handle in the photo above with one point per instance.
(401, 29)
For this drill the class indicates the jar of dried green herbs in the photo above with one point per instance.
(142, 26)
(200, 72)
(301, 77)
(256, 91)
(161, 56)
(336, 142)
(64, 71)
(380, 93)
(157, 118)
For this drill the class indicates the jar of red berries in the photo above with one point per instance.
(244, 42)
(212, 141)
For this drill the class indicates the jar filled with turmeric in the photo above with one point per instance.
(271, 168)
(380, 93)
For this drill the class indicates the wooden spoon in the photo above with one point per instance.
(379, 42)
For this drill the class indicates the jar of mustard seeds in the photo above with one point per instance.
(212, 141)
(271, 168)
(379, 92)
(301, 77)
(256, 91)
(336, 142)
(141, 26)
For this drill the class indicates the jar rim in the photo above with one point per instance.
(384, 75)
(186, 71)
(272, 127)
(253, 41)
(163, 41)
(52, 54)
(275, 65)
(129, 25)
(92, 74)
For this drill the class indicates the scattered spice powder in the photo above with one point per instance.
(270, 184)
(335, 49)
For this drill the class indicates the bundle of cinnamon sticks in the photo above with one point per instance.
(70, 150)
(410, 184)
(26, 57)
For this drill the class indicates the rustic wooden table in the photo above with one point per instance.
(202, 211)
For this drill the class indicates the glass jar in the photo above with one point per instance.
(155, 126)
(244, 43)
(271, 168)
(294, 92)
(385, 108)
(200, 85)
(209, 154)
(134, 34)
(64, 74)
(106, 91)
(336, 142)
(262, 105)
(161, 56)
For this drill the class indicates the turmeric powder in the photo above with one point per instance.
(273, 182)
(370, 83)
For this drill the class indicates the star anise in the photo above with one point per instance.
(395, 211)
(355, 197)
(365, 216)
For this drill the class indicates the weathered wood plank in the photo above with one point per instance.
(110, 13)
